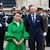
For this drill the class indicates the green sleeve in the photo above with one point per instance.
(25, 34)
(9, 35)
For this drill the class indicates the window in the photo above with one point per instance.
(8, 3)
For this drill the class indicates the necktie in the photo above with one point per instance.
(34, 19)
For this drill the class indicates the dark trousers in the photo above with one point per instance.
(1, 46)
(39, 41)
(1, 40)
(48, 37)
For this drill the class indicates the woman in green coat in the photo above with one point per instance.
(16, 34)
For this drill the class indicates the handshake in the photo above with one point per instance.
(18, 43)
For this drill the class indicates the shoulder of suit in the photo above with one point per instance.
(28, 15)
(39, 15)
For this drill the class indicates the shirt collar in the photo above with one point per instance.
(33, 15)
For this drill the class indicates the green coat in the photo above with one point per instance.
(15, 32)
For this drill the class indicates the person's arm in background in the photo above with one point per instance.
(26, 24)
(45, 22)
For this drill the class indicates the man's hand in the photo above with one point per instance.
(0, 25)
(44, 34)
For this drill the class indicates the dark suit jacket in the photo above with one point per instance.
(10, 18)
(32, 29)
(24, 16)
(2, 28)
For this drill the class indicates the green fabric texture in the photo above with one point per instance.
(15, 32)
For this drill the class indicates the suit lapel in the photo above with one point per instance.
(30, 19)
(37, 17)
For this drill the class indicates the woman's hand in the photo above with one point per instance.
(16, 42)
(21, 41)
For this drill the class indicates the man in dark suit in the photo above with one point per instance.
(2, 26)
(24, 13)
(43, 13)
(24, 17)
(10, 17)
(48, 34)
(34, 26)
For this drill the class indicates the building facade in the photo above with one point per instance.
(42, 3)
(8, 4)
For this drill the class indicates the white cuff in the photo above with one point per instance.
(6, 24)
(0, 25)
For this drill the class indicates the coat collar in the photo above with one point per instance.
(15, 22)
